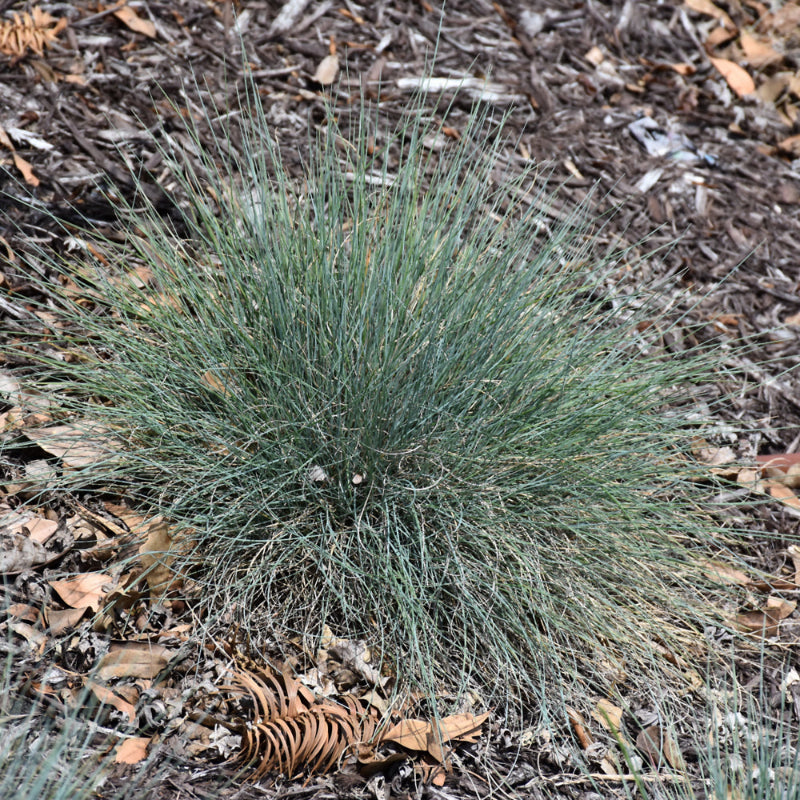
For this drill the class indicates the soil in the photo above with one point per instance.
(585, 88)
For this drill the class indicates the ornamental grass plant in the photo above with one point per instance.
(391, 397)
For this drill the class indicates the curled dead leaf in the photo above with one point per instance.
(77, 444)
(724, 573)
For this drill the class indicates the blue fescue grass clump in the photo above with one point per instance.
(392, 399)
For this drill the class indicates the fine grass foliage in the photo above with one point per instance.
(744, 746)
(391, 396)
(52, 752)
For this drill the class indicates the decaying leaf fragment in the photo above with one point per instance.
(20, 163)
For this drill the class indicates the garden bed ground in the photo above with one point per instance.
(647, 102)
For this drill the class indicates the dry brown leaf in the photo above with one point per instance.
(24, 612)
(766, 621)
(59, 620)
(35, 638)
(132, 750)
(758, 52)
(715, 456)
(658, 744)
(462, 727)
(155, 558)
(415, 734)
(738, 78)
(780, 607)
(724, 573)
(213, 381)
(790, 145)
(111, 698)
(77, 444)
(582, 734)
(747, 477)
(25, 169)
(788, 477)
(127, 16)
(20, 163)
(710, 10)
(780, 460)
(594, 56)
(782, 493)
(19, 552)
(683, 68)
(608, 715)
(84, 591)
(719, 36)
(133, 660)
(409, 733)
(327, 70)
(761, 622)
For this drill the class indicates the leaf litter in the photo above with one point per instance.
(111, 528)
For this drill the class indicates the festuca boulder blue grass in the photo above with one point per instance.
(392, 398)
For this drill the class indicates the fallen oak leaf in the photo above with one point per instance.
(77, 444)
(724, 573)
(133, 660)
(85, 591)
(782, 493)
(409, 733)
(327, 70)
(132, 750)
(582, 733)
(709, 9)
(737, 77)
(61, 620)
(463, 727)
(415, 734)
(110, 698)
(19, 552)
(767, 621)
(155, 558)
(128, 17)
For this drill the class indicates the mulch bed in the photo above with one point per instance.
(619, 102)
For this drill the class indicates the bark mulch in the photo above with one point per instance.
(641, 108)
